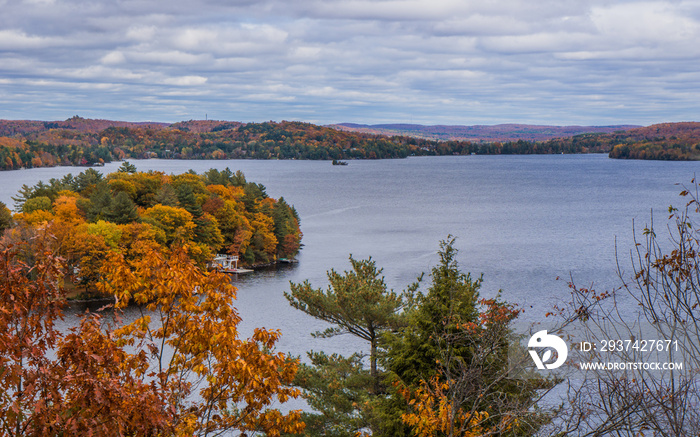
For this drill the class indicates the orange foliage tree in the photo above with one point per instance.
(51, 383)
(179, 369)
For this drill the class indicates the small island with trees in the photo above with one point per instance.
(216, 212)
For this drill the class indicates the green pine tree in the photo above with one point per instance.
(166, 195)
(188, 201)
(87, 181)
(127, 167)
(122, 209)
(356, 302)
(5, 217)
(465, 342)
(100, 203)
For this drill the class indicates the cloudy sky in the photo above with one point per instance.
(366, 61)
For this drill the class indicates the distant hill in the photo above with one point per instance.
(665, 141)
(10, 128)
(499, 132)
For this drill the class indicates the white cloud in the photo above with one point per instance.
(113, 58)
(141, 33)
(547, 42)
(246, 39)
(35, 3)
(186, 81)
(11, 40)
(645, 23)
(153, 56)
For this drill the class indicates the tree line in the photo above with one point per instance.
(78, 145)
(83, 142)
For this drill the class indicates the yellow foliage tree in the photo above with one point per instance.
(263, 237)
(175, 222)
(231, 192)
(435, 412)
(34, 218)
(65, 209)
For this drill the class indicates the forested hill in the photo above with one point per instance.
(79, 141)
(669, 141)
(664, 141)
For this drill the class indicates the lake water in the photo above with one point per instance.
(522, 221)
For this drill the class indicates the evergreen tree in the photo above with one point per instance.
(286, 228)
(68, 182)
(86, 181)
(336, 389)
(5, 217)
(100, 204)
(253, 194)
(453, 354)
(166, 195)
(188, 201)
(122, 209)
(450, 302)
(127, 167)
(216, 177)
(23, 194)
(39, 190)
(357, 303)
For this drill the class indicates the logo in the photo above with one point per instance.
(547, 344)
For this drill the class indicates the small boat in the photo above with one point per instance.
(336, 162)
(227, 264)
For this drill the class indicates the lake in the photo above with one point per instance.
(522, 221)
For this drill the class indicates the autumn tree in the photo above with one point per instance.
(175, 222)
(30, 302)
(51, 382)
(214, 217)
(212, 379)
(179, 369)
(37, 203)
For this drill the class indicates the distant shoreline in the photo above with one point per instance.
(87, 143)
